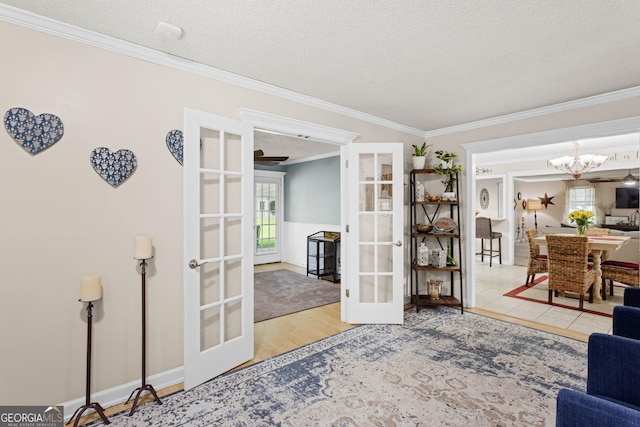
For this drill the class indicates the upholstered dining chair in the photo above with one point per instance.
(537, 261)
(484, 232)
(619, 271)
(569, 268)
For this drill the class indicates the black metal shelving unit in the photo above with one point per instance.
(432, 210)
(323, 255)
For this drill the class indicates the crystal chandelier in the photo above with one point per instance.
(578, 164)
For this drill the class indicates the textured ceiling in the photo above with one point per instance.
(424, 64)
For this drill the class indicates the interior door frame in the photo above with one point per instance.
(536, 139)
(314, 132)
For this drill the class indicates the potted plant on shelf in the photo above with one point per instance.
(420, 155)
(447, 169)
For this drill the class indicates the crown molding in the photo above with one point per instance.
(60, 29)
(281, 124)
(536, 112)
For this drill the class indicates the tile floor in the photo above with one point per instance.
(493, 282)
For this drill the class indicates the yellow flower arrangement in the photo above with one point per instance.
(582, 219)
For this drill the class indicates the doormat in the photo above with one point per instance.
(281, 292)
(539, 292)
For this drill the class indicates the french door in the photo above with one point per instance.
(268, 213)
(218, 245)
(373, 291)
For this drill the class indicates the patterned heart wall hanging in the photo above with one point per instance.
(175, 144)
(34, 133)
(114, 168)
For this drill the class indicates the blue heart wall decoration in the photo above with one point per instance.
(175, 144)
(115, 167)
(34, 133)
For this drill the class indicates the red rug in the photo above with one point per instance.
(517, 291)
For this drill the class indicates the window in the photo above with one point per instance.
(580, 197)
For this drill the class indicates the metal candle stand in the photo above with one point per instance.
(88, 405)
(144, 386)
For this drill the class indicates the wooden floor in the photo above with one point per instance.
(285, 333)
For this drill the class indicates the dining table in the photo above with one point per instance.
(597, 245)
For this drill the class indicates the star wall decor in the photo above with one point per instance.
(546, 200)
(33, 133)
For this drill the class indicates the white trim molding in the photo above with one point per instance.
(281, 124)
(536, 112)
(118, 394)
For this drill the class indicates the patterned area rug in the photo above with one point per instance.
(539, 293)
(281, 292)
(439, 368)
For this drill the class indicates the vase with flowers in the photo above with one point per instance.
(582, 219)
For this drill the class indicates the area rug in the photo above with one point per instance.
(281, 292)
(539, 293)
(439, 368)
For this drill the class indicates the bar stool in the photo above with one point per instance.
(485, 232)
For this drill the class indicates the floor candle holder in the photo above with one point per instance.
(144, 386)
(88, 404)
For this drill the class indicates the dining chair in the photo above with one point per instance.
(537, 261)
(569, 268)
(484, 232)
(621, 272)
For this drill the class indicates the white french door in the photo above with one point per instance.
(373, 291)
(218, 245)
(268, 213)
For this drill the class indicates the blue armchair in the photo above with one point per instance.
(613, 386)
(626, 319)
(632, 297)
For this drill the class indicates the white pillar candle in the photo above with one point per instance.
(144, 247)
(91, 288)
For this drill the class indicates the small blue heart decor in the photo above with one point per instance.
(114, 168)
(175, 144)
(34, 133)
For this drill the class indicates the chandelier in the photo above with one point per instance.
(578, 164)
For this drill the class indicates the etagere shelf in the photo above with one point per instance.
(432, 210)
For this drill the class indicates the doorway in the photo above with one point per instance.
(533, 141)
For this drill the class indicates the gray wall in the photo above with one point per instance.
(312, 192)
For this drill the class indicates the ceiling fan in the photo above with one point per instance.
(260, 159)
(627, 180)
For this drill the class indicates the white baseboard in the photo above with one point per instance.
(119, 394)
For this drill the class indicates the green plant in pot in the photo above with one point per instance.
(420, 155)
(447, 168)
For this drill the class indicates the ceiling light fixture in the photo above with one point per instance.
(578, 164)
(629, 179)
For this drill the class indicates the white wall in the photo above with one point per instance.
(60, 220)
